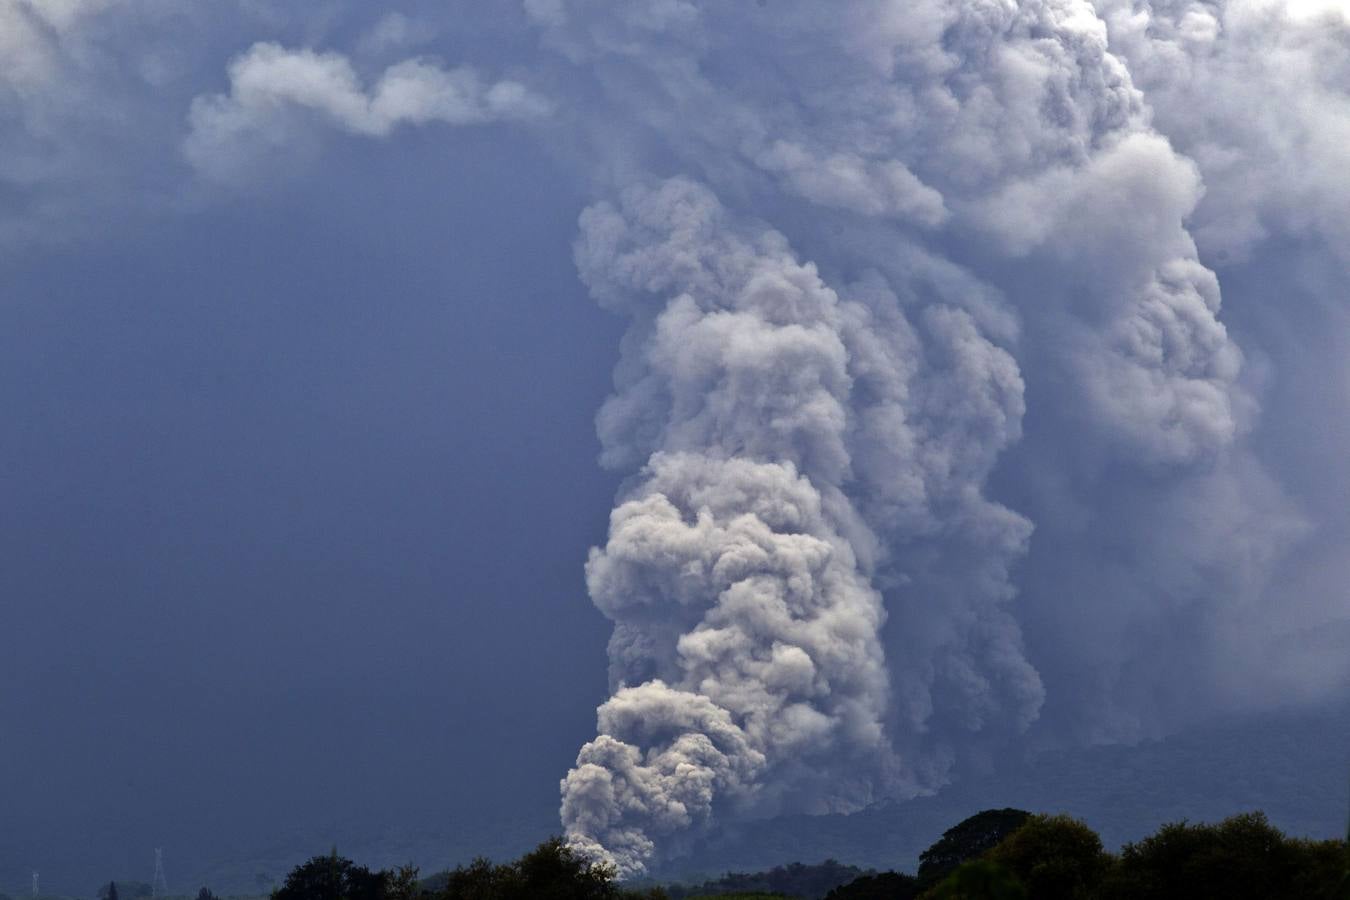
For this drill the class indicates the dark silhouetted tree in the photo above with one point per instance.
(1055, 858)
(968, 840)
(552, 871)
(878, 886)
(979, 879)
(332, 878)
(205, 894)
(402, 883)
(127, 890)
(1241, 858)
(792, 880)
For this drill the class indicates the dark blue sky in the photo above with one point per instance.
(255, 565)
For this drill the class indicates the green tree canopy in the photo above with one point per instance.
(878, 886)
(792, 880)
(1055, 858)
(979, 879)
(402, 883)
(968, 840)
(332, 877)
(1241, 858)
(552, 871)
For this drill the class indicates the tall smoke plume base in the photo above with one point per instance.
(879, 259)
(748, 656)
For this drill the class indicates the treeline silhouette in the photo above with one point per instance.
(1001, 854)
(1011, 855)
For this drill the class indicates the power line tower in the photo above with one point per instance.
(35, 884)
(158, 886)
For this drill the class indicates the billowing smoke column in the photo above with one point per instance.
(978, 276)
(747, 651)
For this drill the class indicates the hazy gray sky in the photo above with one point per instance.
(981, 384)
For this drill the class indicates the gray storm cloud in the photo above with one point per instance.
(980, 271)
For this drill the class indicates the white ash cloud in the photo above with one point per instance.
(775, 684)
(738, 572)
(1003, 280)
(1254, 92)
(272, 87)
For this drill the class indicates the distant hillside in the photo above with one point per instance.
(1295, 767)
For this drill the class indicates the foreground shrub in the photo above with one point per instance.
(1054, 857)
(1241, 858)
(552, 871)
(880, 886)
(968, 840)
(979, 879)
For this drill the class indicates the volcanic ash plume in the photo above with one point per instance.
(746, 659)
(810, 584)
(751, 637)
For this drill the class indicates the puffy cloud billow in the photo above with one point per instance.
(270, 86)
